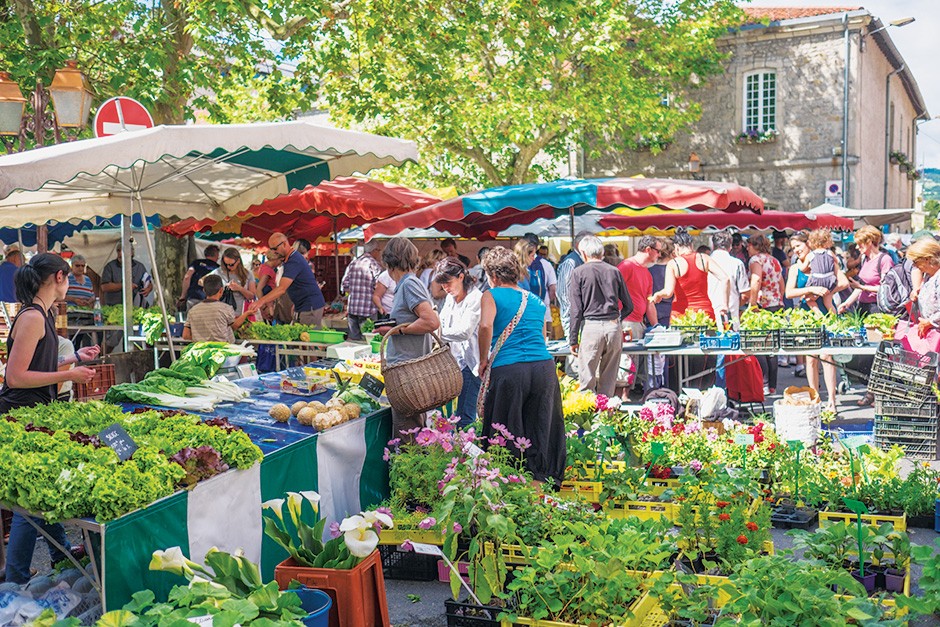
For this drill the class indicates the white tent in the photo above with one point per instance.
(874, 217)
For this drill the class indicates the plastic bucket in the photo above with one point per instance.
(317, 603)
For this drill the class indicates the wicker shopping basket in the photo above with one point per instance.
(421, 384)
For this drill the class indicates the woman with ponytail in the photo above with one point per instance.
(32, 374)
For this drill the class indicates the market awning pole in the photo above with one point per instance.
(148, 237)
(336, 257)
(571, 224)
(127, 291)
(19, 239)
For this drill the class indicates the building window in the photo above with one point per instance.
(760, 102)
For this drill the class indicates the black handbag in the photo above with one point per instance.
(228, 297)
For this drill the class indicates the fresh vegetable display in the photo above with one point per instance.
(348, 404)
(885, 323)
(754, 319)
(186, 384)
(113, 315)
(693, 318)
(278, 332)
(845, 324)
(52, 465)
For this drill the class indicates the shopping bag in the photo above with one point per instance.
(912, 341)
(745, 380)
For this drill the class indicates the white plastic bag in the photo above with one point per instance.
(797, 422)
(713, 401)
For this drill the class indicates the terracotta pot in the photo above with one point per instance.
(358, 594)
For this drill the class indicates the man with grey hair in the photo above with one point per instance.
(598, 301)
(565, 267)
(734, 268)
(359, 284)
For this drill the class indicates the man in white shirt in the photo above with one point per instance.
(551, 279)
(734, 268)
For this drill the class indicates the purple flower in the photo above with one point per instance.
(523, 443)
(695, 465)
(384, 510)
(394, 442)
(458, 527)
(334, 530)
(427, 523)
(501, 429)
(516, 479)
(498, 440)
(387, 455)
(407, 546)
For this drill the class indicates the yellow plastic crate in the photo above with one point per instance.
(590, 491)
(644, 510)
(640, 607)
(398, 536)
(898, 522)
(591, 468)
(658, 486)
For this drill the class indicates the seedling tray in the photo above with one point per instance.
(898, 522)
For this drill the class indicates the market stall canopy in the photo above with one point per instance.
(316, 211)
(487, 212)
(779, 220)
(874, 217)
(201, 171)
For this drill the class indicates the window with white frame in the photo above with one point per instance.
(760, 101)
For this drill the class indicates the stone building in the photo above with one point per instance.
(780, 117)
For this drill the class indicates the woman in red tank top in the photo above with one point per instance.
(687, 280)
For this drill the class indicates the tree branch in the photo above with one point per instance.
(27, 14)
(277, 30)
(477, 156)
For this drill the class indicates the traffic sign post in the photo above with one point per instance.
(120, 115)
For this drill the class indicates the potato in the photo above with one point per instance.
(280, 412)
(296, 407)
(306, 416)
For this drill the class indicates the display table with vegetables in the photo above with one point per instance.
(193, 480)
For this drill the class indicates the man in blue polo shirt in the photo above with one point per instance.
(298, 282)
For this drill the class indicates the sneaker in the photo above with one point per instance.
(783, 362)
(792, 360)
(800, 371)
(766, 391)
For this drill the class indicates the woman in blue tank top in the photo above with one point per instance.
(522, 391)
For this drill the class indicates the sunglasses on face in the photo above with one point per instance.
(230, 265)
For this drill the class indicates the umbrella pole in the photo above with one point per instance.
(157, 285)
(19, 239)
(336, 257)
(571, 224)
(127, 291)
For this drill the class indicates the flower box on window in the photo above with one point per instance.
(757, 136)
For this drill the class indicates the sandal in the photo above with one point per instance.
(866, 400)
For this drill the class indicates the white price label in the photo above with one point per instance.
(427, 549)
(473, 450)
(744, 439)
(205, 621)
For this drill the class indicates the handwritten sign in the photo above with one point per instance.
(427, 549)
(744, 439)
(372, 386)
(120, 442)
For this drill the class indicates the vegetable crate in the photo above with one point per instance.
(915, 448)
(590, 491)
(396, 536)
(644, 510)
(760, 340)
(898, 522)
(714, 341)
(802, 338)
(99, 385)
(659, 486)
(904, 375)
(398, 564)
(690, 333)
(888, 429)
(893, 409)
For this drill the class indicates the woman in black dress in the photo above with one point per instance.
(32, 375)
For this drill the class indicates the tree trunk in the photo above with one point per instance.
(172, 261)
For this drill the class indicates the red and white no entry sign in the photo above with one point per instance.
(119, 115)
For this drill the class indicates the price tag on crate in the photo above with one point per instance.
(427, 549)
(372, 386)
(119, 440)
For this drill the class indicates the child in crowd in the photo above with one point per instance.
(820, 268)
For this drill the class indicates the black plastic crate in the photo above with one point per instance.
(915, 448)
(398, 564)
(792, 518)
(759, 340)
(892, 408)
(802, 338)
(902, 374)
(906, 429)
(471, 615)
(844, 341)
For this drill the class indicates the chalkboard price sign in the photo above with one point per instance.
(372, 386)
(120, 442)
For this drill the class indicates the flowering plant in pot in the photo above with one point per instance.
(354, 539)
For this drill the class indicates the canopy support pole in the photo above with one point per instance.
(571, 224)
(127, 290)
(157, 284)
(339, 290)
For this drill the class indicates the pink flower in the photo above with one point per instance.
(425, 437)
(516, 479)
(458, 527)
(427, 523)
(334, 530)
(407, 546)
(498, 441)
(600, 402)
(384, 510)
(695, 465)
(387, 455)
(394, 442)
(501, 429)
(646, 413)
(523, 443)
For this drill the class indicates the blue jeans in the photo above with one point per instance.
(467, 401)
(23, 542)
(355, 323)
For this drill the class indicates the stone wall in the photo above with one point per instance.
(791, 171)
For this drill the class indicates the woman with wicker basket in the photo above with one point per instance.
(520, 388)
(413, 313)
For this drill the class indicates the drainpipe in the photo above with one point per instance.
(887, 130)
(845, 112)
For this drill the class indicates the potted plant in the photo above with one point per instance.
(900, 545)
(896, 157)
(685, 600)
(347, 567)
(928, 601)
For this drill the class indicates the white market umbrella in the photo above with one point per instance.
(201, 171)
(874, 217)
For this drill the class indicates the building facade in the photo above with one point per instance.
(781, 117)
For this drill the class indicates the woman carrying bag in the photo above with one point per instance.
(519, 383)
(415, 318)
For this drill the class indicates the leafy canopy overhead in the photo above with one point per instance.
(485, 86)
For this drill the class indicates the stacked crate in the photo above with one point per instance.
(903, 383)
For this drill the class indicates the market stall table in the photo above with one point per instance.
(344, 464)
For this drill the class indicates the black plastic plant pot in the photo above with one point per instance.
(894, 580)
(868, 580)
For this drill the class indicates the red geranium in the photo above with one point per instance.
(752, 526)
(742, 539)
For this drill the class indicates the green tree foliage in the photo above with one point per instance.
(486, 86)
(932, 209)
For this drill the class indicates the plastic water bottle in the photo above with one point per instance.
(99, 320)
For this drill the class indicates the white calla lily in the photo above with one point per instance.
(295, 504)
(354, 522)
(361, 542)
(171, 560)
(277, 506)
(313, 498)
(374, 516)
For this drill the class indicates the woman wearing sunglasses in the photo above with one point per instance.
(236, 277)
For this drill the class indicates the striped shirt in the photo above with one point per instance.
(78, 290)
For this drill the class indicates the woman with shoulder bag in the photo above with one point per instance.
(413, 307)
(519, 383)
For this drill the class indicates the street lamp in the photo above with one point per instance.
(70, 98)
